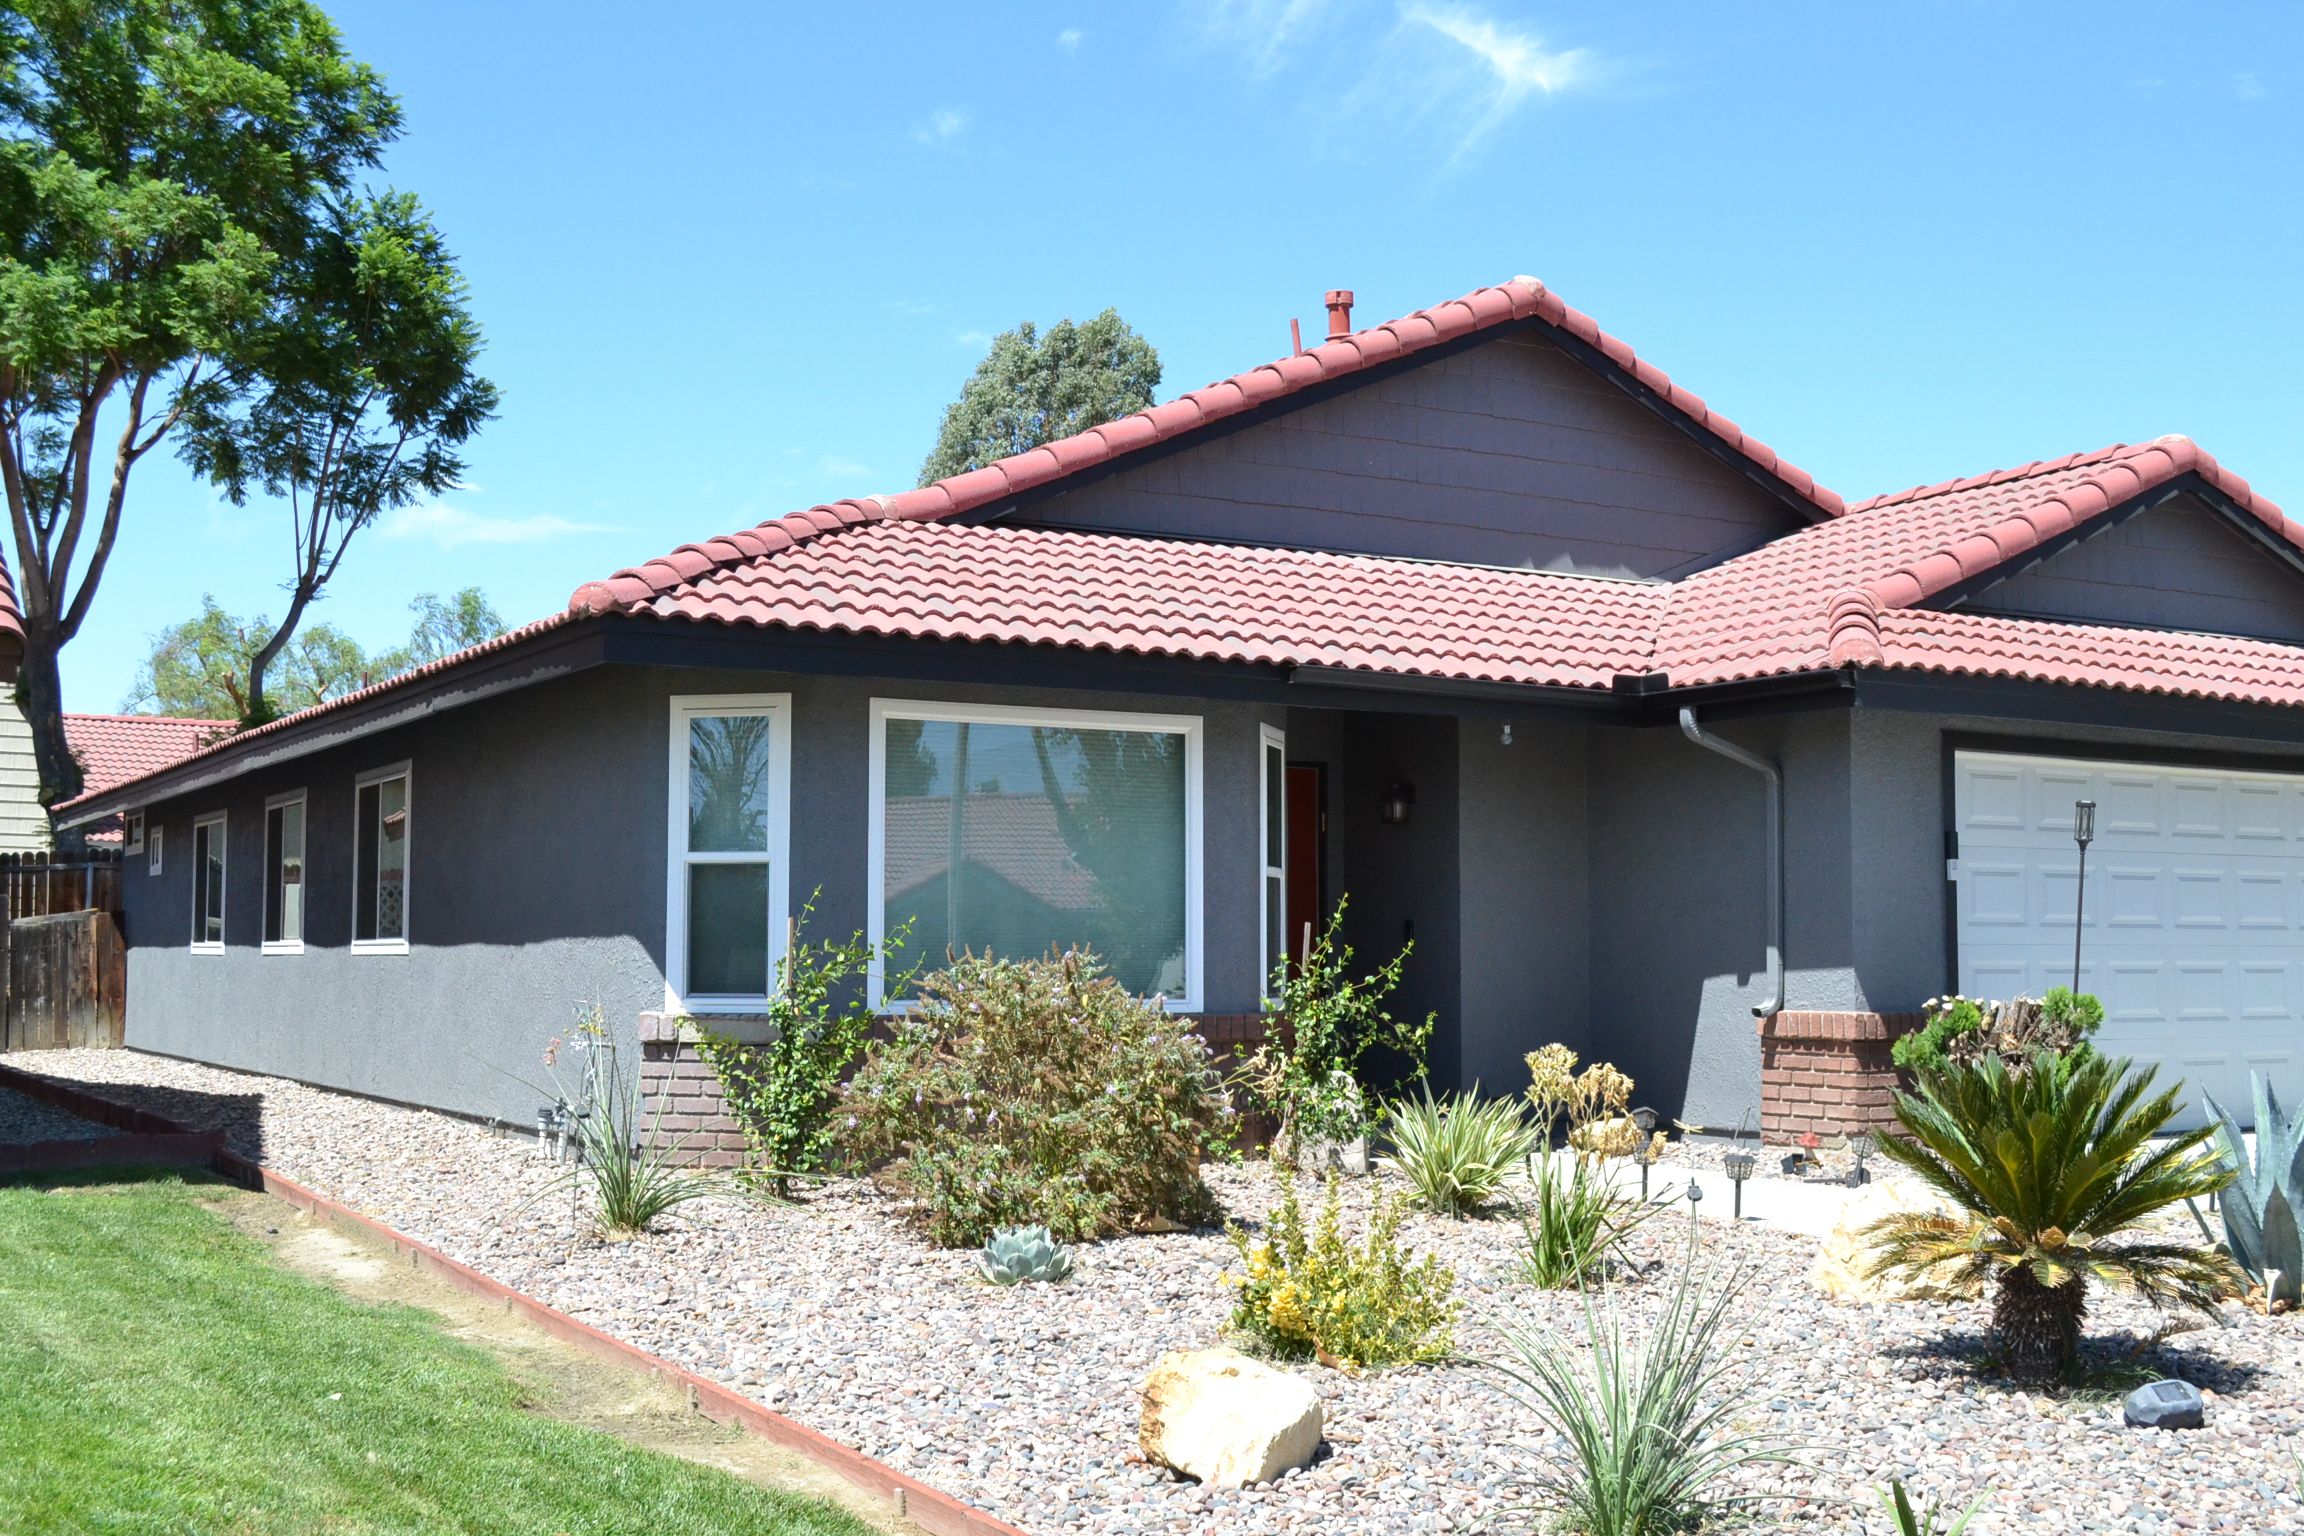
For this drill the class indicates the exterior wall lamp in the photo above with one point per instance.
(1399, 799)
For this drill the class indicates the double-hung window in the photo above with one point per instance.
(1272, 888)
(284, 874)
(155, 844)
(380, 834)
(730, 824)
(1020, 831)
(208, 884)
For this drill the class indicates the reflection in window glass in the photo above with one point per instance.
(730, 816)
(208, 881)
(380, 861)
(284, 873)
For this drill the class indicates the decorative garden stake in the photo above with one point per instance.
(1739, 1166)
(1860, 1146)
(1644, 1121)
(2083, 833)
(1695, 1193)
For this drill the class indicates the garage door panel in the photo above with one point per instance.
(2195, 907)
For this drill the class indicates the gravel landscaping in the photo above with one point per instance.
(1023, 1401)
(24, 1121)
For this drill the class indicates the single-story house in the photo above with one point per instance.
(1650, 743)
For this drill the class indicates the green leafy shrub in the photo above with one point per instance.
(783, 1094)
(1312, 1295)
(1647, 1431)
(1962, 1031)
(2052, 1170)
(1929, 1047)
(1323, 1021)
(1038, 1092)
(1458, 1151)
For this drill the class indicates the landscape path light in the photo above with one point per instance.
(2083, 833)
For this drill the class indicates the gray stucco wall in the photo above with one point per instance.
(2181, 565)
(536, 882)
(1509, 453)
(1404, 878)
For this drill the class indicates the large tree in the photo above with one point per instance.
(354, 395)
(1032, 388)
(199, 668)
(162, 163)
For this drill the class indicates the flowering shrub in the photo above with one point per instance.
(1038, 1093)
(1312, 1295)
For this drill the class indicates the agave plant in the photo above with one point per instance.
(2266, 1200)
(1458, 1151)
(2052, 1170)
(1017, 1254)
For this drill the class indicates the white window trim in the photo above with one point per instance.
(132, 832)
(152, 849)
(222, 838)
(398, 946)
(686, 708)
(292, 797)
(1269, 737)
(876, 849)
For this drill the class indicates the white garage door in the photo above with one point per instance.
(2194, 933)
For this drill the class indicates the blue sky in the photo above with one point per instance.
(734, 259)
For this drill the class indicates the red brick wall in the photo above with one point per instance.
(1828, 1072)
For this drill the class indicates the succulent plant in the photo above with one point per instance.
(1017, 1254)
(2265, 1204)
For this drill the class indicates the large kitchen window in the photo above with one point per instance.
(380, 836)
(730, 825)
(284, 874)
(208, 883)
(1021, 831)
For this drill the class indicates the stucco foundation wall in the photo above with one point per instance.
(536, 882)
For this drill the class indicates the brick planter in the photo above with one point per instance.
(1829, 1073)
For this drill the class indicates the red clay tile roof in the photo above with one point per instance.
(1207, 602)
(115, 749)
(1522, 298)
(11, 615)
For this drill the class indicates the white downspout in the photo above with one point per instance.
(1775, 782)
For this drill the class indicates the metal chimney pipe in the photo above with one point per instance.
(1339, 303)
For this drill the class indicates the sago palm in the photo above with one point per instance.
(2053, 1168)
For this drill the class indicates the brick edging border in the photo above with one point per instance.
(936, 1513)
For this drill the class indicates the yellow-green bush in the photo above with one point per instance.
(1312, 1295)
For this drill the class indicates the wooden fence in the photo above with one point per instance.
(39, 884)
(63, 969)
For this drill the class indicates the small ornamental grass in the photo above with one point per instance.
(1038, 1093)
(1311, 1295)
(1650, 1429)
(1458, 1151)
(1924, 1522)
(1577, 1219)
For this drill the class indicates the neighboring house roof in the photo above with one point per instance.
(1014, 836)
(116, 749)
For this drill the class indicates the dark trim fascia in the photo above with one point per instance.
(553, 654)
(2022, 701)
(2190, 483)
(2152, 754)
(1328, 389)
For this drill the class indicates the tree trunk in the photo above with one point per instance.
(254, 711)
(40, 699)
(2039, 1327)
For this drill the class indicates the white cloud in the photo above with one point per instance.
(1070, 39)
(453, 527)
(1261, 32)
(1512, 65)
(944, 125)
(2249, 86)
(973, 338)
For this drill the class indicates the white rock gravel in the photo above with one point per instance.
(1022, 1401)
(24, 1121)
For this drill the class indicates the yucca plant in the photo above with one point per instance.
(2052, 1169)
(1458, 1152)
(1649, 1430)
(1924, 1522)
(1576, 1219)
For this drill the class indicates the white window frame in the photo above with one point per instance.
(152, 849)
(132, 832)
(220, 839)
(876, 851)
(399, 946)
(687, 708)
(293, 946)
(1270, 796)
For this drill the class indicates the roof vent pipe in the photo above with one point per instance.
(1774, 779)
(1339, 312)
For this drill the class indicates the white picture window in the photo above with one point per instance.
(152, 850)
(381, 813)
(284, 874)
(729, 827)
(1018, 831)
(1272, 887)
(208, 883)
(132, 832)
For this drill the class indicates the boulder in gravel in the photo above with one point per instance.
(2165, 1405)
(1223, 1418)
(1846, 1253)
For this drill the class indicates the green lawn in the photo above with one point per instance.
(159, 1374)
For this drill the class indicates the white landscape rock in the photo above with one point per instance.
(1216, 1415)
(1846, 1253)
